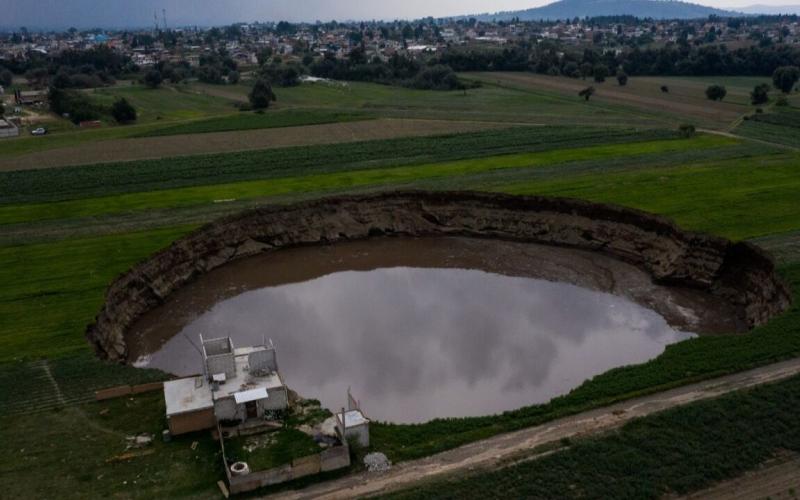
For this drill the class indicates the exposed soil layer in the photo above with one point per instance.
(739, 273)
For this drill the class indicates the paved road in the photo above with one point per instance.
(490, 452)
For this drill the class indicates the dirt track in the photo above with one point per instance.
(494, 451)
(118, 150)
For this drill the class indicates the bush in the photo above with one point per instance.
(760, 94)
(73, 104)
(687, 130)
(622, 78)
(261, 95)
(437, 77)
(6, 78)
(785, 78)
(153, 78)
(716, 92)
(781, 101)
(123, 111)
(233, 77)
(600, 72)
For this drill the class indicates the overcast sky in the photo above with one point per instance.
(115, 13)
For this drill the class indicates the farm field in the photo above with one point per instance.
(685, 101)
(128, 149)
(65, 233)
(200, 108)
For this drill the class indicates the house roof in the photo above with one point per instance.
(187, 395)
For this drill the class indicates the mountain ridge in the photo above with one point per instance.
(568, 9)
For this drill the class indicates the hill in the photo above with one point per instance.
(567, 9)
(771, 9)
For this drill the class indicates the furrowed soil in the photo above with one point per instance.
(120, 150)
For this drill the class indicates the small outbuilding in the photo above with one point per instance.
(352, 423)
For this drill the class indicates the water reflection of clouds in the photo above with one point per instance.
(417, 340)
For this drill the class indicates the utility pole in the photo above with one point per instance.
(164, 18)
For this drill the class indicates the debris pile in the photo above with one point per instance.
(377, 462)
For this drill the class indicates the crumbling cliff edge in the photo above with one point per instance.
(738, 272)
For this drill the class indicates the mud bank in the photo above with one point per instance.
(739, 273)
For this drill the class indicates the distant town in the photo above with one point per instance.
(253, 44)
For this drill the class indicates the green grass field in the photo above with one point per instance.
(199, 108)
(52, 285)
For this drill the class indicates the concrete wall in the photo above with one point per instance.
(191, 422)
(223, 363)
(278, 399)
(738, 272)
(9, 132)
(265, 360)
(359, 432)
(331, 459)
(227, 409)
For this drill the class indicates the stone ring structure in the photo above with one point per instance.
(739, 272)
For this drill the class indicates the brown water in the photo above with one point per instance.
(426, 328)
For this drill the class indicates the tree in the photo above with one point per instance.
(123, 111)
(760, 94)
(716, 92)
(6, 78)
(785, 78)
(586, 70)
(622, 78)
(600, 73)
(686, 130)
(261, 95)
(233, 77)
(153, 78)
(38, 77)
(586, 93)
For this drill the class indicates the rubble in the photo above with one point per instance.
(377, 462)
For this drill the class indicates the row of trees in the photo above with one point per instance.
(398, 70)
(674, 60)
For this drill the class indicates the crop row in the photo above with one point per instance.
(99, 180)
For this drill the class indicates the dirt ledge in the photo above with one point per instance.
(739, 272)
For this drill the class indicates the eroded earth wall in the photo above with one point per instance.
(739, 272)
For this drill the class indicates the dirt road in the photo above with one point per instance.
(118, 150)
(493, 451)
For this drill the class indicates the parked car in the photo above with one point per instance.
(39, 131)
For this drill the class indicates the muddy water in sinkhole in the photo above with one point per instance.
(426, 328)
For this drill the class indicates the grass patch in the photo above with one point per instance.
(265, 451)
(51, 291)
(781, 126)
(73, 450)
(155, 200)
(254, 121)
(677, 451)
(739, 198)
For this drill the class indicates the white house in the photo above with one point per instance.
(237, 386)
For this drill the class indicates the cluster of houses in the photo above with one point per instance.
(148, 47)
